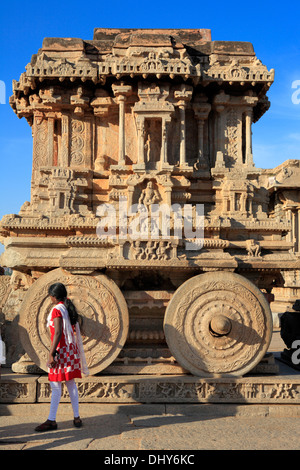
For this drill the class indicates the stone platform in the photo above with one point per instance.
(280, 387)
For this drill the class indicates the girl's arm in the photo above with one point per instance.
(56, 339)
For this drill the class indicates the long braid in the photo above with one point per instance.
(72, 311)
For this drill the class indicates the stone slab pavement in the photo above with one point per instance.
(154, 427)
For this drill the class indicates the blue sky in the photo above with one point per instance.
(274, 32)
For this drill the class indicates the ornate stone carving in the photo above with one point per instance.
(5, 288)
(235, 71)
(152, 250)
(166, 389)
(40, 132)
(253, 248)
(77, 142)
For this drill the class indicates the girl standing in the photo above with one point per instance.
(66, 356)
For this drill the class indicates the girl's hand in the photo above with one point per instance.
(51, 361)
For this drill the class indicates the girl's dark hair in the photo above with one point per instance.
(59, 291)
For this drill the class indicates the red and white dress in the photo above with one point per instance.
(68, 359)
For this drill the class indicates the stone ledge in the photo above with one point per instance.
(203, 410)
(18, 388)
(261, 389)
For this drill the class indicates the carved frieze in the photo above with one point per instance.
(142, 389)
(236, 71)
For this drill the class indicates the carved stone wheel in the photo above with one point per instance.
(218, 324)
(103, 317)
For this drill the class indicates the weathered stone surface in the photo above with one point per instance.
(18, 388)
(157, 428)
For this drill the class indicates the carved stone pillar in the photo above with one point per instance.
(121, 101)
(101, 125)
(140, 124)
(249, 100)
(289, 217)
(101, 105)
(220, 102)
(40, 142)
(51, 120)
(294, 216)
(248, 123)
(292, 234)
(163, 164)
(182, 134)
(63, 158)
(201, 112)
(121, 92)
(220, 136)
(183, 96)
(90, 130)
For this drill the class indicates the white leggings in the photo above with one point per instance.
(56, 396)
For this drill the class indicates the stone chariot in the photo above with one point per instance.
(129, 122)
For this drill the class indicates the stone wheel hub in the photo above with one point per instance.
(218, 324)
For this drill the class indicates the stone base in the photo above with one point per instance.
(282, 388)
(17, 388)
(25, 366)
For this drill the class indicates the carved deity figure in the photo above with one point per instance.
(253, 248)
(152, 145)
(149, 195)
(162, 250)
(150, 250)
(138, 250)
